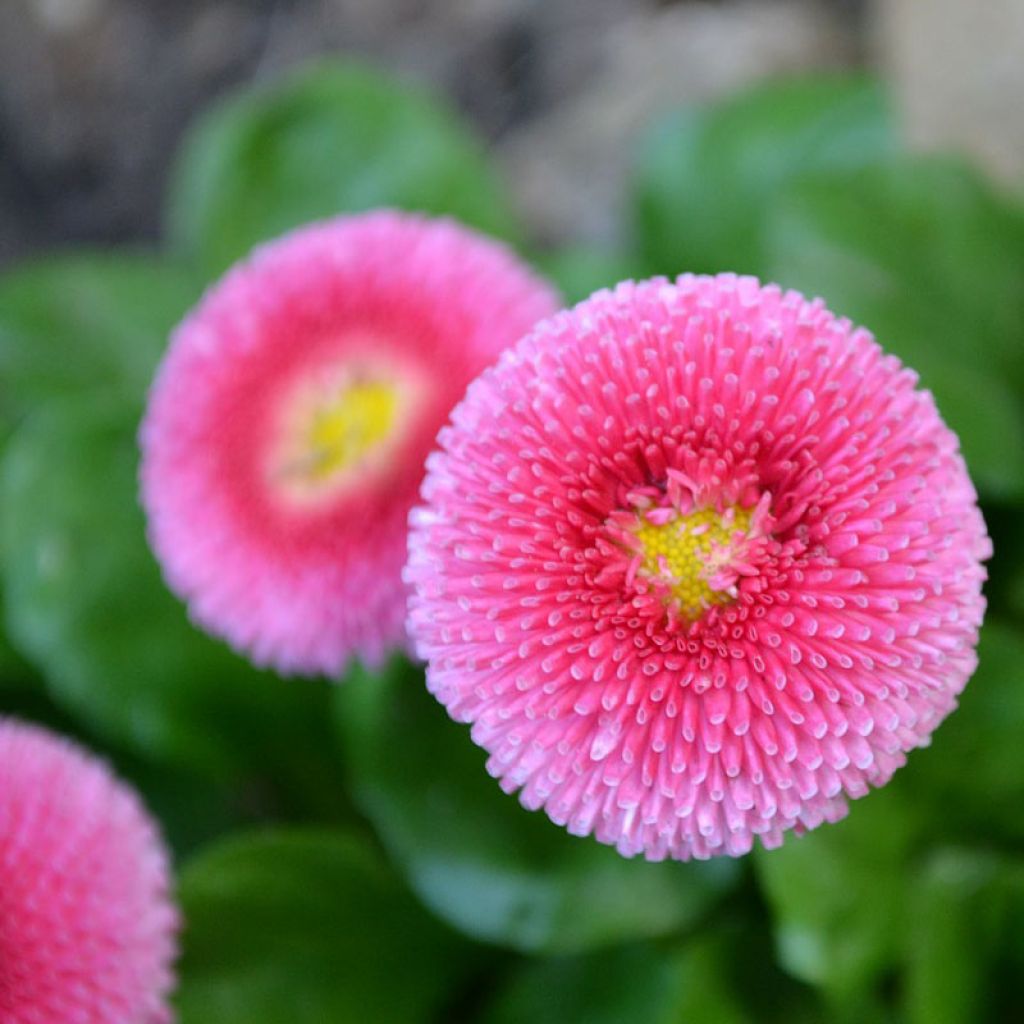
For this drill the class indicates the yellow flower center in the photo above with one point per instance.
(687, 551)
(333, 427)
(343, 430)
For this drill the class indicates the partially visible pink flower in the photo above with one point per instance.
(699, 562)
(287, 428)
(86, 922)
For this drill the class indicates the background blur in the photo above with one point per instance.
(95, 94)
(342, 854)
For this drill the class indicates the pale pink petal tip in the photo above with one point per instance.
(87, 926)
(289, 423)
(699, 563)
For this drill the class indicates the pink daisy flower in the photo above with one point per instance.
(699, 562)
(86, 923)
(287, 428)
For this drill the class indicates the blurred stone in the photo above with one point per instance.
(92, 103)
(569, 166)
(957, 72)
(66, 15)
(95, 94)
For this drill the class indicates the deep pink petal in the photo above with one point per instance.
(304, 582)
(87, 926)
(840, 625)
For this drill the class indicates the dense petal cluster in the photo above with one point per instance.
(86, 923)
(700, 563)
(288, 426)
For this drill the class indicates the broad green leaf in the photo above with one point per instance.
(926, 257)
(957, 932)
(855, 900)
(838, 894)
(973, 769)
(309, 928)
(648, 983)
(336, 138)
(86, 604)
(708, 176)
(83, 323)
(579, 272)
(86, 323)
(476, 857)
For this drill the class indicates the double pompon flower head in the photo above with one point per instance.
(697, 560)
(86, 922)
(287, 428)
(700, 563)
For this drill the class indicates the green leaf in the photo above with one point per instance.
(707, 177)
(335, 138)
(957, 931)
(476, 857)
(86, 604)
(932, 262)
(648, 983)
(855, 900)
(308, 927)
(86, 323)
(578, 271)
(973, 769)
(83, 323)
(837, 894)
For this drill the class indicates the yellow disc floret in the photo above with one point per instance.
(334, 426)
(344, 429)
(687, 551)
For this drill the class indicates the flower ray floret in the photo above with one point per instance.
(700, 563)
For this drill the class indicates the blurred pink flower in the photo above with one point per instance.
(699, 563)
(86, 923)
(288, 426)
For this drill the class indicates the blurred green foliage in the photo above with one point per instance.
(85, 603)
(471, 853)
(924, 252)
(86, 324)
(335, 139)
(709, 177)
(389, 879)
(309, 925)
(657, 984)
